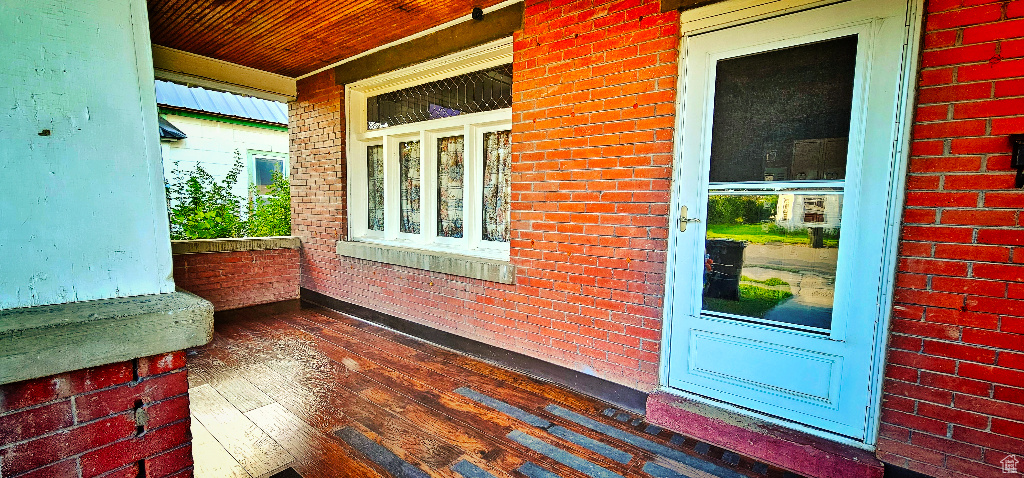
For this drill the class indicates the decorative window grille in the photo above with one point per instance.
(483, 90)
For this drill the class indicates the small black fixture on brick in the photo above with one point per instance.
(1017, 158)
(478, 13)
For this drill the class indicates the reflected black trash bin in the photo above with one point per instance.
(723, 280)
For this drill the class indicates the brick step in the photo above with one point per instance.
(789, 449)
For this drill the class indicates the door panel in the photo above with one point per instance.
(786, 164)
(810, 374)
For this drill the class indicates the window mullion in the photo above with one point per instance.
(391, 188)
(472, 205)
(428, 187)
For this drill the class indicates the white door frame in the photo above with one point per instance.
(738, 12)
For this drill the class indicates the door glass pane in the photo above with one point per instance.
(773, 256)
(497, 185)
(450, 168)
(375, 187)
(409, 187)
(784, 115)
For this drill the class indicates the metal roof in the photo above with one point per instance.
(194, 98)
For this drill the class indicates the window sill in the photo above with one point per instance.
(492, 270)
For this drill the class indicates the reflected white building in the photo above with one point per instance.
(801, 211)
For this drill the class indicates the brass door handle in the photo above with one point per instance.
(683, 220)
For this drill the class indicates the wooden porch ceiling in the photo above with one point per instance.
(294, 37)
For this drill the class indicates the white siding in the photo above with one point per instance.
(213, 143)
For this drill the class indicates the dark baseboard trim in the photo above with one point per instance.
(619, 395)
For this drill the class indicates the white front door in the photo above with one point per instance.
(786, 171)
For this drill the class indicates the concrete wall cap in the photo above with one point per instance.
(235, 244)
(42, 341)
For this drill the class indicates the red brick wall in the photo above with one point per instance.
(241, 278)
(593, 91)
(954, 392)
(83, 423)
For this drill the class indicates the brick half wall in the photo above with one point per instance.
(232, 279)
(127, 419)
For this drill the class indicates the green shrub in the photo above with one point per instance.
(729, 209)
(200, 207)
(270, 215)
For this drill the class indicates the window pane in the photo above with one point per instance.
(497, 185)
(450, 168)
(483, 90)
(375, 187)
(409, 175)
(785, 114)
(773, 256)
(265, 169)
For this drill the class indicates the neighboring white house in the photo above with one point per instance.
(205, 127)
(799, 211)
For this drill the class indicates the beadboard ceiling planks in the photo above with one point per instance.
(294, 37)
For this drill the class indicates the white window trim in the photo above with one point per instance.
(472, 126)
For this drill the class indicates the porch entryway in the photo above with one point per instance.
(788, 170)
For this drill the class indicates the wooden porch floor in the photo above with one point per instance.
(328, 395)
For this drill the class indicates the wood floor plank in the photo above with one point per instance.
(256, 451)
(589, 454)
(441, 360)
(365, 418)
(301, 374)
(211, 459)
(394, 432)
(512, 380)
(545, 389)
(242, 394)
(316, 455)
(527, 401)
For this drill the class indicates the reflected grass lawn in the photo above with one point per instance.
(772, 281)
(754, 301)
(755, 233)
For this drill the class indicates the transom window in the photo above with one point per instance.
(482, 90)
(429, 154)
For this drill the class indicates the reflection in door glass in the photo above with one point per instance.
(784, 115)
(773, 256)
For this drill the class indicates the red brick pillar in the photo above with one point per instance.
(123, 417)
